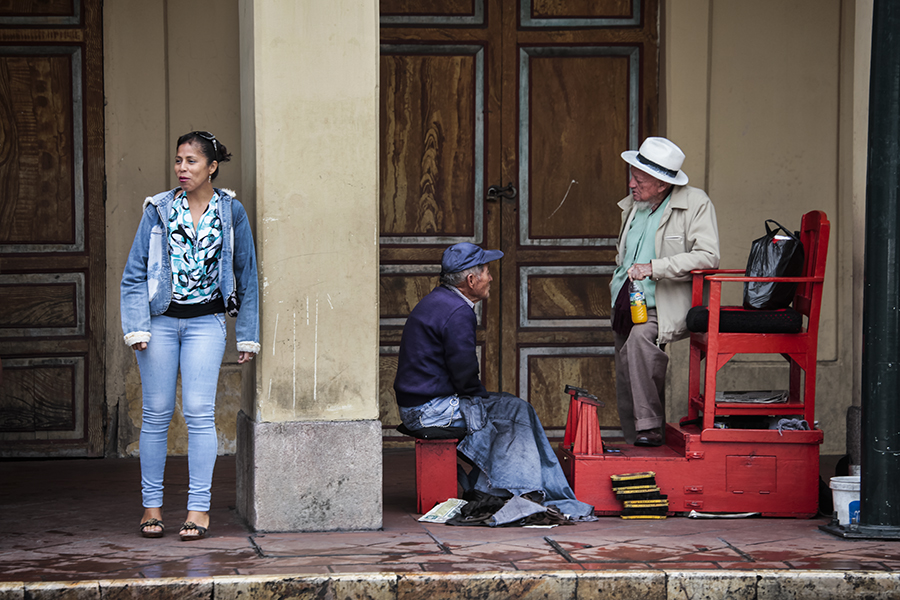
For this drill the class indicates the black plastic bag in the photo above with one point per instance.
(773, 255)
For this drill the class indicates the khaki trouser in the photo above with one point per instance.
(640, 378)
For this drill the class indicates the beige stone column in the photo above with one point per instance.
(309, 439)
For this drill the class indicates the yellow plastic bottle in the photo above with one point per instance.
(638, 302)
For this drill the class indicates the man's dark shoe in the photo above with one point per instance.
(649, 437)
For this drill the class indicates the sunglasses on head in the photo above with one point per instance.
(209, 138)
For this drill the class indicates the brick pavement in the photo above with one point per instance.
(73, 520)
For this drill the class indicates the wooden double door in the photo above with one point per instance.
(502, 124)
(52, 228)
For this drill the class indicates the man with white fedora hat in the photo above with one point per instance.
(668, 229)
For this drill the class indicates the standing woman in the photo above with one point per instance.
(192, 261)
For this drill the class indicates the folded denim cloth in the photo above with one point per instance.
(515, 509)
(507, 443)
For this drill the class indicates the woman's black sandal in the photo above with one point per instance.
(191, 526)
(152, 523)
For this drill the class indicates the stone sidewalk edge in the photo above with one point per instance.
(584, 585)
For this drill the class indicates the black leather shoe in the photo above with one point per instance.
(649, 437)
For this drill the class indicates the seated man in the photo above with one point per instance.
(438, 385)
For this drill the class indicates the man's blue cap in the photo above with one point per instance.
(464, 255)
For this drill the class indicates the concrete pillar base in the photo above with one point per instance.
(309, 476)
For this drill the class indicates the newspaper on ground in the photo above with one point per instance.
(754, 397)
(444, 511)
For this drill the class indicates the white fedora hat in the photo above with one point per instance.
(659, 157)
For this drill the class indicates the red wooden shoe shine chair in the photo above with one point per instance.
(718, 345)
(747, 467)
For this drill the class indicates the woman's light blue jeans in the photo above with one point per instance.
(196, 346)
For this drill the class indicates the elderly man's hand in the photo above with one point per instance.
(640, 271)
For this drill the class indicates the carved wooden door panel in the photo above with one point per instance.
(439, 112)
(52, 240)
(542, 95)
(580, 85)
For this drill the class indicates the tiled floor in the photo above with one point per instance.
(64, 520)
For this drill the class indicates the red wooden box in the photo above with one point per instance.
(435, 473)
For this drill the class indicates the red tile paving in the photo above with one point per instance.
(76, 519)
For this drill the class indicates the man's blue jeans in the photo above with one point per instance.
(439, 412)
(196, 346)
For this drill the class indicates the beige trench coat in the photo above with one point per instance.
(687, 239)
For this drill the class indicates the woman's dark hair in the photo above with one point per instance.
(211, 148)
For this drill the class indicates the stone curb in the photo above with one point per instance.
(562, 585)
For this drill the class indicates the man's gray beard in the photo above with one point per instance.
(642, 205)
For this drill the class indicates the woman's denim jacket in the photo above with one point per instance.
(147, 280)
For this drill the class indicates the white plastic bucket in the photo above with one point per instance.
(845, 493)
